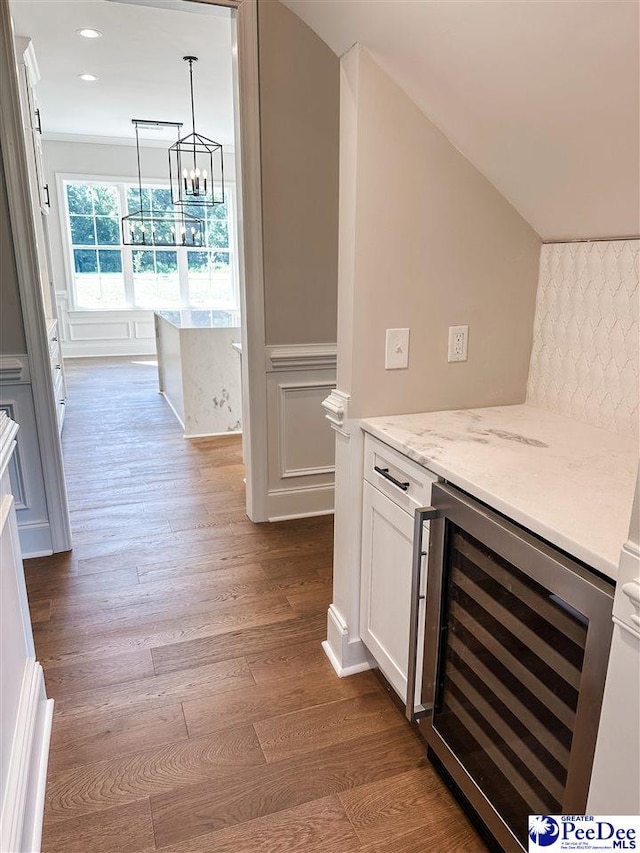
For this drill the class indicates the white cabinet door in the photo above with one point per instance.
(385, 602)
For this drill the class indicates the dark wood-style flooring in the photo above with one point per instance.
(195, 710)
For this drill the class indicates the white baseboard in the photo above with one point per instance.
(35, 539)
(284, 504)
(23, 805)
(347, 656)
(212, 434)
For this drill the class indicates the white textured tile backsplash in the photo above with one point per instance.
(584, 361)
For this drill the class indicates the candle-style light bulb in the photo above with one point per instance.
(185, 175)
(183, 234)
(204, 178)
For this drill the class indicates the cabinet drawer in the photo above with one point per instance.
(416, 479)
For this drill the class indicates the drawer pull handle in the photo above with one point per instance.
(385, 473)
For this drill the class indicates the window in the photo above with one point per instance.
(108, 275)
(94, 225)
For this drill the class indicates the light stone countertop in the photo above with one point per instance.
(568, 482)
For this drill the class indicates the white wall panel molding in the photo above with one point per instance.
(25, 472)
(14, 368)
(106, 333)
(584, 360)
(303, 453)
(19, 487)
(300, 444)
(8, 432)
(302, 357)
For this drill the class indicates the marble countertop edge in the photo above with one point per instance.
(568, 482)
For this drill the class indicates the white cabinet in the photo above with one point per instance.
(387, 548)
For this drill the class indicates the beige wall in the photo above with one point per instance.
(299, 123)
(426, 242)
(11, 328)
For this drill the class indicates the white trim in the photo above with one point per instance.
(24, 241)
(21, 810)
(301, 357)
(300, 502)
(8, 432)
(212, 434)
(35, 539)
(347, 657)
(250, 255)
(283, 389)
(11, 369)
(336, 407)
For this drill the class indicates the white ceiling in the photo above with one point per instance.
(138, 62)
(543, 97)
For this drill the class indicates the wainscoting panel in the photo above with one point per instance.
(104, 333)
(25, 468)
(301, 443)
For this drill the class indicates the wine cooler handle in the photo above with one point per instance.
(416, 711)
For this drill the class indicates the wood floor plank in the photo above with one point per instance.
(158, 690)
(95, 787)
(455, 835)
(40, 610)
(126, 828)
(244, 643)
(238, 707)
(318, 827)
(400, 804)
(43, 586)
(242, 794)
(103, 735)
(325, 725)
(307, 602)
(270, 609)
(292, 661)
(223, 579)
(63, 679)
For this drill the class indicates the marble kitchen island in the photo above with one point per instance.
(199, 371)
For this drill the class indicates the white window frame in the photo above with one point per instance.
(64, 178)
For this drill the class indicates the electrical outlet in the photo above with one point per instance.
(458, 340)
(396, 353)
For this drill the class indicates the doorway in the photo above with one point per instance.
(109, 290)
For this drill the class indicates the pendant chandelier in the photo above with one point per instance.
(195, 164)
(149, 227)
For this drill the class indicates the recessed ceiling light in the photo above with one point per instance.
(88, 78)
(89, 33)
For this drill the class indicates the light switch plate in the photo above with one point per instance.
(396, 353)
(458, 341)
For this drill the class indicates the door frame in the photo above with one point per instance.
(251, 267)
(23, 231)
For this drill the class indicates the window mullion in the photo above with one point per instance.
(183, 276)
(127, 259)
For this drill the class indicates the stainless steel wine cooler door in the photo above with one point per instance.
(516, 649)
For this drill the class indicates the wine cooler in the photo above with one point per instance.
(516, 644)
